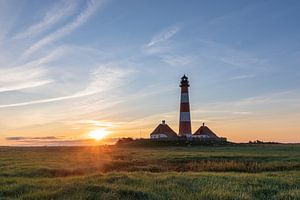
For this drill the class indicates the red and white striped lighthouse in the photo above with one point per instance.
(185, 116)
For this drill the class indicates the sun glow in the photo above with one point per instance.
(98, 134)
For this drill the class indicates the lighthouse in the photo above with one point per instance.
(203, 134)
(185, 116)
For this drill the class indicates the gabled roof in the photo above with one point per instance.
(205, 131)
(163, 128)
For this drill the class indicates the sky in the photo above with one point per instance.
(69, 68)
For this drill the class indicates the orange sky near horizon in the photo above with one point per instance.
(235, 131)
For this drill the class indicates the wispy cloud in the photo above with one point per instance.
(31, 74)
(161, 47)
(19, 78)
(95, 123)
(102, 79)
(163, 36)
(18, 138)
(231, 56)
(55, 14)
(213, 110)
(175, 60)
(8, 16)
(57, 141)
(283, 97)
(250, 108)
(92, 6)
(239, 77)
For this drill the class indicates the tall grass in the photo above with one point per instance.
(112, 172)
(145, 185)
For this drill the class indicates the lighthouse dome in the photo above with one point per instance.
(184, 81)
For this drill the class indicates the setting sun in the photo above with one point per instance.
(98, 134)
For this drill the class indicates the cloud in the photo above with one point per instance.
(92, 6)
(102, 79)
(231, 56)
(167, 51)
(34, 73)
(53, 16)
(252, 108)
(163, 36)
(31, 138)
(95, 123)
(8, 17)
(284, 97)
(178, 60)
(212, 110)
(58, 141)
(242, 77)
(19, 78)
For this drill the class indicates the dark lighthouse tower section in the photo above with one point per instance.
(185, 117)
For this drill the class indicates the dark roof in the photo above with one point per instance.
(163, 128)
(204, 130)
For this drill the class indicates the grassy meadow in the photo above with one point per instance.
(123, 172)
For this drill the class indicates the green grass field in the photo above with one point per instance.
(120, 172)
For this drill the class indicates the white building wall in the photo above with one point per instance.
(158, 136)
(201, 136)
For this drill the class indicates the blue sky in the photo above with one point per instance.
(69, 67)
